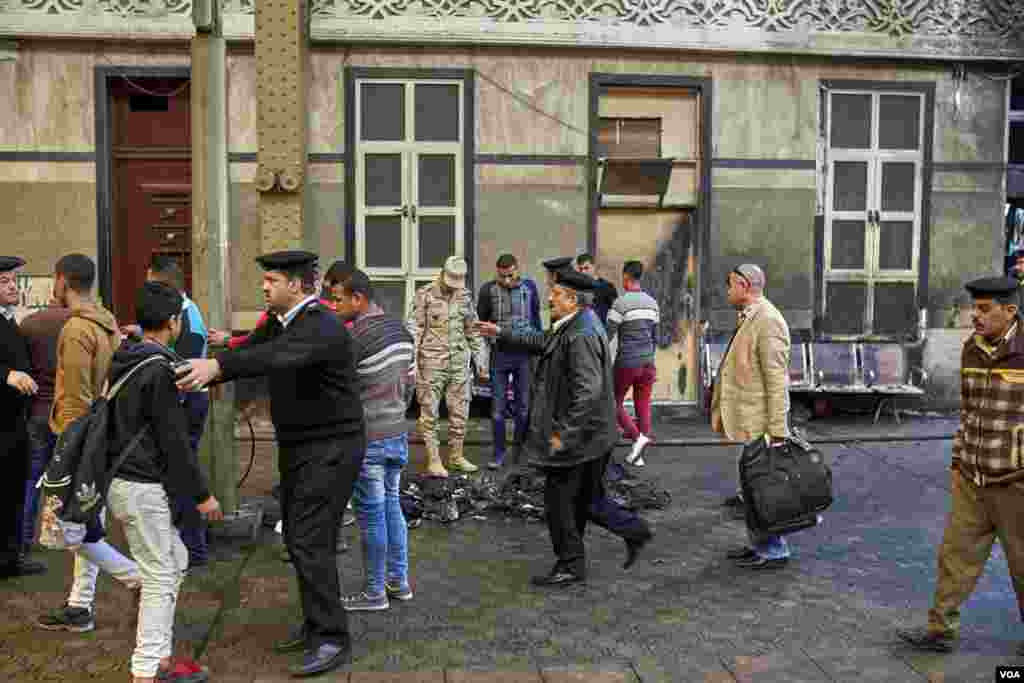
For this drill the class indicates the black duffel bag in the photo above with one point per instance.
(784, 485)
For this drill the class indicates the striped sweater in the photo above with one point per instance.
(634, 318)
(386, 370)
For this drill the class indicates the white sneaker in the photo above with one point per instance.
(635, 456)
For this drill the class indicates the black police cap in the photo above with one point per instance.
(987, 287)
(557, 264)
(581, 282)
(286, 260)
(10, 263)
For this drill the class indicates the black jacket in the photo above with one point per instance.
(310, 365)
(14, 355)
(151, 398)
(485, 306)
(604, 297)
(572, 392)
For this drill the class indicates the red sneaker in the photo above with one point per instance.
(183, 670)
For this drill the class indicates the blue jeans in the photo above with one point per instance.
(382, 526)
(506, 367)
(767, 546)
(191, 525)
(41, 442)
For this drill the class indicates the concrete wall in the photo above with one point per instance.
(48, 106)
(534, 212)
(764, 108)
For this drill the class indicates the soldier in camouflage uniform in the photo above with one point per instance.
(442, 324)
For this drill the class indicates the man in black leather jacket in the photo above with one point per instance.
(572, 430)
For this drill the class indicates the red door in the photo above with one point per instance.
(152, 191)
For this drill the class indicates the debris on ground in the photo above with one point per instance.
(519, 493)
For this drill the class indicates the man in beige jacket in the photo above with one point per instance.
(84, 350)
(751, 394)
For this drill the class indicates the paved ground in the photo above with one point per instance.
(684, 613)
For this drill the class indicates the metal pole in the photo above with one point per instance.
(211, 235)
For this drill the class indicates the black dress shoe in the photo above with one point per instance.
(633, 548)
(929, 641)
(758, 562)
(295, 642)
(557, 577)
(325, 658)
(741, 553)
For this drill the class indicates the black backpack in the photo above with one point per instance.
(785, 485)
(77, 478)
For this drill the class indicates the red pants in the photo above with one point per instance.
(641, 381)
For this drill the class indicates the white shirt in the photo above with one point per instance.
(7, 312)
(290, 315)
(561, 321)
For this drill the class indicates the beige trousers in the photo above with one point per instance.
(978, 516)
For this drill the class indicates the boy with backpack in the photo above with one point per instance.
(161, 468)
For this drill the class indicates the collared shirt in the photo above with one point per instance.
(747, 312)
(990, 349)
(562, 321)
(290, 315)
(7, 312)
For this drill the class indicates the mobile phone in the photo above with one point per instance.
(180, 368)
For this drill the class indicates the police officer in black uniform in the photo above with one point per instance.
(308, 358)
(16, 388)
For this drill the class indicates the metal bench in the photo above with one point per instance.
(799, 368)
(837, 369)
(876, 371)
(800, 376)
(889, 375)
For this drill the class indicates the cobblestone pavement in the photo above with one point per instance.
(683, 613)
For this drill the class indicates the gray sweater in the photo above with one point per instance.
(634, 318)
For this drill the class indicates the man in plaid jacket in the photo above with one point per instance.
(987, 477)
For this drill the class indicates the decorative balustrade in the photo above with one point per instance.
(942, 29)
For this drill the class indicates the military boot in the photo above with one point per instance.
(435, 468)
(457, 461)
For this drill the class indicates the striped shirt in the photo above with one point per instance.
(386, 370)
(634, 317)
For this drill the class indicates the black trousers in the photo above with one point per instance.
(316, 484)
(574, 496)
(14, 456)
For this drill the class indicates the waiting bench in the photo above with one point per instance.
(878, 370)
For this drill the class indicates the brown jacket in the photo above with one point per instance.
(988, 448)
(86, 345)
(42, 331)
(751, 394)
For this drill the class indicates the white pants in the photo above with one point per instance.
(90, 558)
(145, 512)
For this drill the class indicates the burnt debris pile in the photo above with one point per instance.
(516, 493)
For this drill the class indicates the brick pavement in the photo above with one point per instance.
(684, 613)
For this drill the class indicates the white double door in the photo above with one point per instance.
(873, 211)
(409, 183)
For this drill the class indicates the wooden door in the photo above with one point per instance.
(152, 173)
